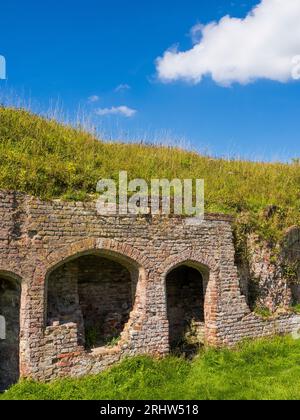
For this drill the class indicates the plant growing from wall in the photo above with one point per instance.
(263, 312)
(296, 308)
(290, 271)
(112, 342)
(193, 334)
(91, 337)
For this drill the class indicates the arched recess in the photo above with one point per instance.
(190, 290)
(99, 289)
(10, 307)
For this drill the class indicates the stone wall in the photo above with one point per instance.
(43, 241)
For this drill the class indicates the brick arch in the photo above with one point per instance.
(136, 263)
(198, 259)
(122, 252)
(13, 274)
(209, 269)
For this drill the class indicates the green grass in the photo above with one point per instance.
(262, 370)
(46, 159)
(296, 308)
(263, 312)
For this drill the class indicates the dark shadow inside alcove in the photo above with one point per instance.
(95, 292)
(10, 300)
(185, 307)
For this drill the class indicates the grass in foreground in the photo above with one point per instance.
(260, 370)
(49, 160)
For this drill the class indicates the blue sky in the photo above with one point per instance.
(73, 50)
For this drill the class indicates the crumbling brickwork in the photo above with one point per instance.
(270, 275)
(51, 248)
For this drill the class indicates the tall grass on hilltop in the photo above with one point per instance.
(260, 370)
(49, 160)
(86, 119)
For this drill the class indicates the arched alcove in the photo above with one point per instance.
(10, 301)
(96, 291)
(185, 292)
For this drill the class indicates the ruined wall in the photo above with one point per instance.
(270, 274)
(37, 239)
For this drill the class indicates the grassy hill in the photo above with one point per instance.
(49, 160)
(262, 370)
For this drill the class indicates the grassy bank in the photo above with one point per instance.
(48, 160)
(267, 369)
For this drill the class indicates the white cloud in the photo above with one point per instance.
(263, 45)
(94, 98)
(120, 110)
(122, 87)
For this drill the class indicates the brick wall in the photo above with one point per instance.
(41, 241)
